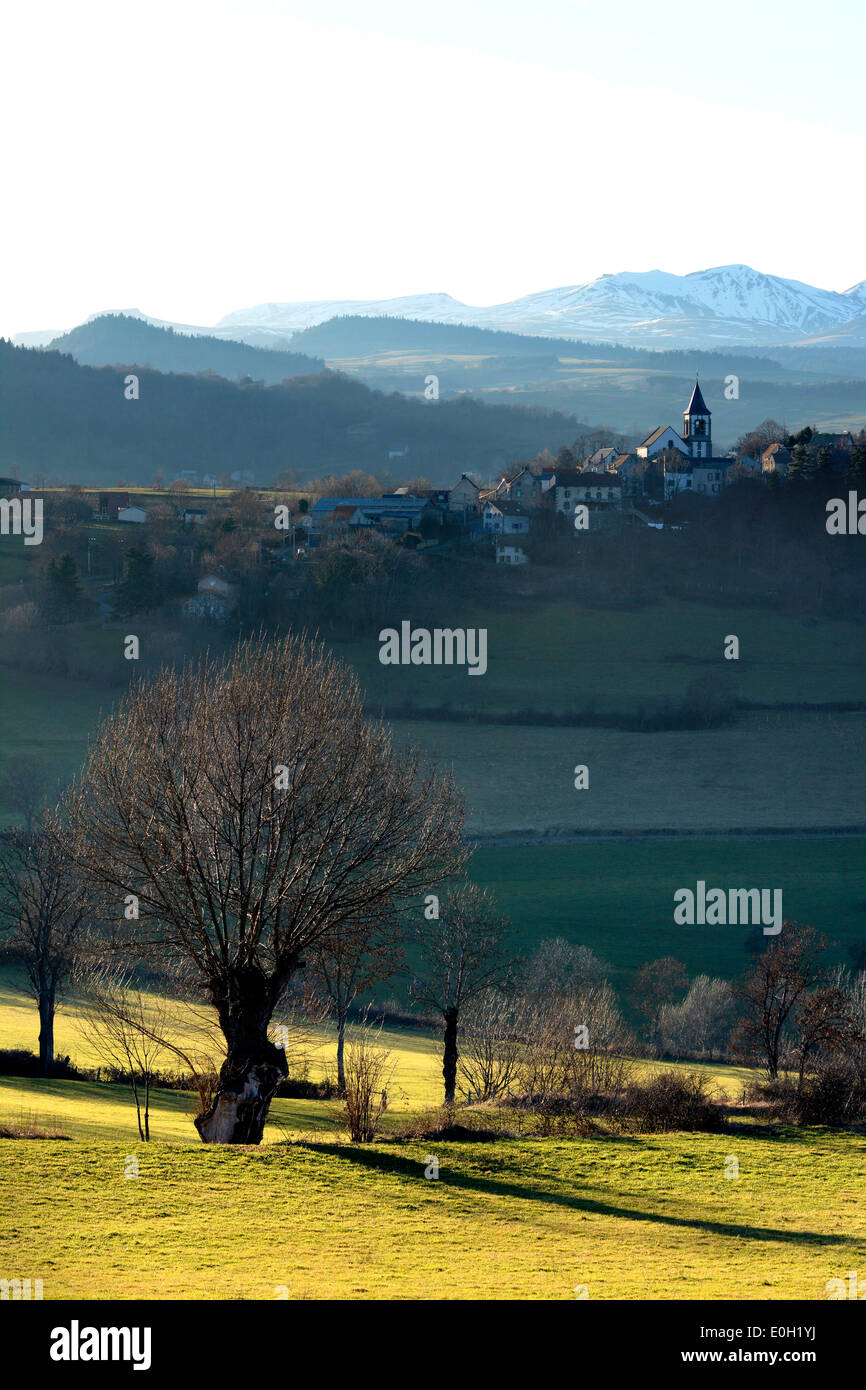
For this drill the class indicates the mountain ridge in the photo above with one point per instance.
(720, 307)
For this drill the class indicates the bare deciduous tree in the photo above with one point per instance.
(559, 966)
(346, 965)
(43, 907)
(656, 984)
(126, 1028)
(700, 1025)
(26, 784)
(823, 1025)
(491, 1048)
(254, 811)
(573, 1043)
(462, 956)
(771, 991)
(125, 1020)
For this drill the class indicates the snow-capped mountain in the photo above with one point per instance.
(291, 318)
(724, 307)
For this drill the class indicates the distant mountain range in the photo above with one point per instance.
(724, 307)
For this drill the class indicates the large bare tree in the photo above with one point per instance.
(254, 812)
(43, 907)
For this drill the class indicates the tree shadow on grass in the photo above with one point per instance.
(374, 1159)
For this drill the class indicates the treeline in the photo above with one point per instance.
(66, 421)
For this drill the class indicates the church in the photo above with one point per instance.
(699, 470)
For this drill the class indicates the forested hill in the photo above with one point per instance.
(121, 340)
(354, 335)
(61, 420)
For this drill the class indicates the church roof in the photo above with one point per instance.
(697, 405)
(657, 434)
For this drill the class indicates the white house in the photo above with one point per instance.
(511, 555)
(707, 479)
(631, 469)
(600, 460)
(709, 476)
(136, 514)
(504, 518)
(216, 598)
(592, 489)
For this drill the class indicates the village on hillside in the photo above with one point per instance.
(214, 538)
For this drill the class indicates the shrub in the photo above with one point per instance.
(17, 1061)
(670, 1101)
(448, 1123)
(829, 1098)
(829, 1095)
(301, 1088)
(368, 1072)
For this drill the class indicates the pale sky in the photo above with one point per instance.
(190, 159)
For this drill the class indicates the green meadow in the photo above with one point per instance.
(310, 1216)
(564, 657)
(639, 1218)
(617, 896)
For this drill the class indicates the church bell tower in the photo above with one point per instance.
(697, 426)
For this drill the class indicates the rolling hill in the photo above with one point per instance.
(123, 340)
(64, 420)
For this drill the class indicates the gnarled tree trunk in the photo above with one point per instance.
(253, 1067)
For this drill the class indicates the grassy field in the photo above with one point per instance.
(650, 1218)
(563, 657)
(617, 897)
(310, 1216)
(767, 771)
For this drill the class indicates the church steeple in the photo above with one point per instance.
(697, 426)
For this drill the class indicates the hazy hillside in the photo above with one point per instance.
(121, 340)
(358, 335)
(630, 390)
(61, 419)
